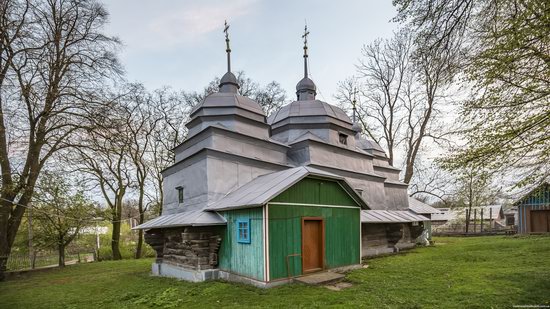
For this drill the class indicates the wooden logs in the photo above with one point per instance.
(155, 239)
(193, 248)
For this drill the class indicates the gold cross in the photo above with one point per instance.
(305, 35)
(226, 30)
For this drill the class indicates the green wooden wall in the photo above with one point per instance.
(342, 233)
(243, 259)
(316, 191)
(342, 226)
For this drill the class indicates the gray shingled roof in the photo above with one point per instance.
(308, 108)
(262, 189)
(187, 218)
(390, 216)
(226, 99)
(421, 208)
(366, 144)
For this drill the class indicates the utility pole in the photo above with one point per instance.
(31, 248)
(97, 242)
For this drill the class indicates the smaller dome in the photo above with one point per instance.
(228, 100)
(306, 84)
(229, 83)
(357, 127)
(306, 90)
(310, 108)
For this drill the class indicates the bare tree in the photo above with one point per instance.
(433, 71)
(174, 109)
(431, 183)
(104, 156)
(401, 86)
(382, 71)
(142, 122)
(55, 61)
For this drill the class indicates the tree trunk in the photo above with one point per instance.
(409, 171)
(61, 251)
(10, 222)
(139, 244)
(115, 239)
(161, 194)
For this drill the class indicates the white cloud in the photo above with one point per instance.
(189, 23)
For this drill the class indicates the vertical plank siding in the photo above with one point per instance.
(538, 199)
(243, 259)
(342, 226)
(342, 237)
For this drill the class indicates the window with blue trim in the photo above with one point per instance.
(243, 231)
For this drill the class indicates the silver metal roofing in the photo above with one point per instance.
(308, 108)
(187, 218)
(366, 144)
(228, 99)
(489, 212)
(262, 189)
(421, 208)
(444, 214)
(390, 216)
(306, 84)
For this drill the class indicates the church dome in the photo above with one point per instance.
(229, 83)
(310, 108)
(228, 100)
(306, 84)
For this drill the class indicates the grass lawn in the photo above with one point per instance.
(480, 272)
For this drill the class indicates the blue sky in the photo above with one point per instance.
(181, 43)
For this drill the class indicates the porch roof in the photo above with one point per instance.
(421, 208)
(390, 216)
(186, 218)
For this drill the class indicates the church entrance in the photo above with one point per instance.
(313, 244)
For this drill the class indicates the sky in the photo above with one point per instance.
(181, 43)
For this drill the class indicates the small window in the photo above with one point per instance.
(243, 231)
(343, 138)
(359, 192)
(180, 194)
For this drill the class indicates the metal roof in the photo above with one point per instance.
(262, 189)
(421, 208)
(390, 216)
(308, 108)
(227, 99)
(366, 144)
(447, 214)
(187, 218)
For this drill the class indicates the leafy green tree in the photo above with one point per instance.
(60, 212)
(475, 188)
(506, 51)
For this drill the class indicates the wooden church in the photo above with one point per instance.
(264, 200)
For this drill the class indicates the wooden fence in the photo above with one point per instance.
(21, 261)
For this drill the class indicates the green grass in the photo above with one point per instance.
(481, 272)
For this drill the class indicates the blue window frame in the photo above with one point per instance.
(243, 231)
